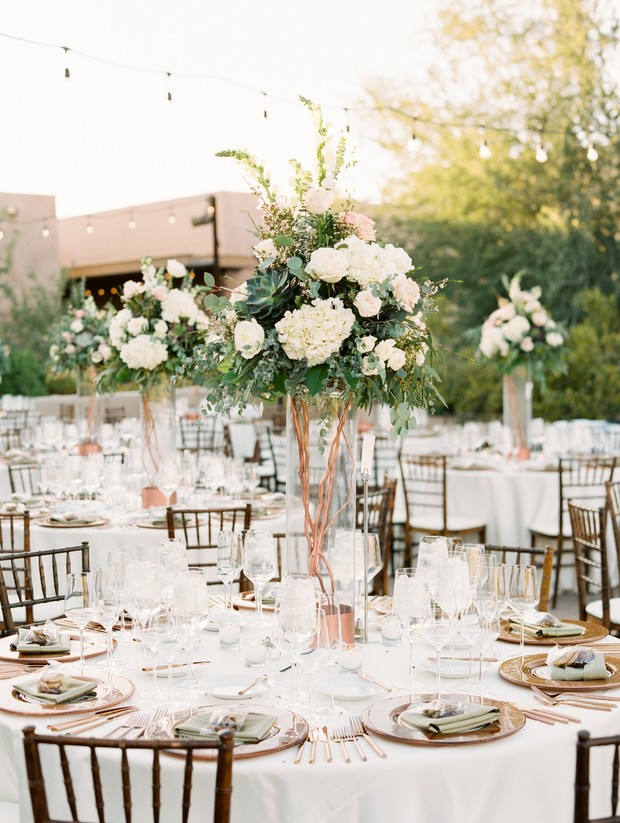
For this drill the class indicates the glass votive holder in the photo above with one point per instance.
(351, 659)
(254, 652)
(230, 634)
(390, 631)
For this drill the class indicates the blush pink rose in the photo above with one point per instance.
(79, 314)
(159, 292)
(362, 225)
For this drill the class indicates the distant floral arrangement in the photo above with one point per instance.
(329, 310)
(79, 340)
(152, 336)
(522, 331)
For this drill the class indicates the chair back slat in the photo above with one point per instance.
(581, 807)
(613, 509)
(9, 531)
(541, 557)
(588, 529)
(78, 748)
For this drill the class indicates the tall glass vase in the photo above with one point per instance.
(320, 495)
(158, 438)
(87, 411)
(517, 390)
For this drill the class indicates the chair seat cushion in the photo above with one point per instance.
(456, 523)
(595, 608)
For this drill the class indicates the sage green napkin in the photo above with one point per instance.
(62, 646)
(73, 521)
(472, 717)
(72, 690)
(255, 728)
(594, 670)
(534, 630)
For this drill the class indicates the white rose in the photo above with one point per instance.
(527, 344)
(137, 325)
(143, 352)
(160, 329)
(505, 312)
(366, 344)
(384, 349)
(399, 260)
(397, 359)
(367, 304)
(329, 265)
(421, 355)
(539, 318)
(318, 201)
(96, 357)
(77, 326)
(240, 293)
(369, 366)
(532, 306)
(406, 291)
(249, 338)
(554, 338)
(176, 269)
(266, 248)
(69, 348)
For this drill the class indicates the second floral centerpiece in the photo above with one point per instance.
(332, 320)
(151, 339)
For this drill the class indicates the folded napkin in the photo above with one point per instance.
(73, 519)
(594, 670)
(72, 690)
(473, 716)
(254, 729)
(536, 630)
(61, 646)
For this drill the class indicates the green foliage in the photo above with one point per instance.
(26, 375)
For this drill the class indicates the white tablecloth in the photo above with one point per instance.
(526, 776)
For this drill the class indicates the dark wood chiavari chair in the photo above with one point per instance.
(585, 743)
(380, 520)
(24, 478)
(119, 795)
(535, 556)
(613, 509)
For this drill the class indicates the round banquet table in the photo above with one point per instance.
(527, 775)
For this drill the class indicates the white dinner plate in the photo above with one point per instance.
(228, 686)
(349, 687)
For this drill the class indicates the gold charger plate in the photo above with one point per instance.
(289, 730)
(77, 524)
(593, 631)
(110, 691)
(382, 718)
(94, 645)
(533, 671)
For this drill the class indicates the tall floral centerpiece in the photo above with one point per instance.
(332, 320)
(150, 340)
(79, 346)
(525, 342)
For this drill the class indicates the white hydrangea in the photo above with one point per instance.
(493, 341)
(143, 352)
(160, 329)
(367, 262)
(177, 304)
(175, 268)
(137, 325)
(514, 330)
(316, 331)
(118, 327)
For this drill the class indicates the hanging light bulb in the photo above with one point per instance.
(45, 232)
(67, 72)
(89, 227)
(592, 154)
(171, 218)
(541, 154)
(484, 151)
(265, 112)
(347, 128)
(132, 222)
(169, 75)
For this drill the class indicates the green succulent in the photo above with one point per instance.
(270, 294)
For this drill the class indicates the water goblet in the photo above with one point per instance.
(295, 624)
(166, 636)
(80, 597)
(260, 564)
(437, 631)
(411, 602)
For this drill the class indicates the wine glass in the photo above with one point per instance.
(168, 479)
(260, 564)
(80, 597)
(295, 623)
(432, 551)
(251, 478)
(523, 594)
(229, 561)
(437, 631)
(115, 579)
(330, 641)
(106, 612)
(190, 599)
(166, 637)
(411, 603)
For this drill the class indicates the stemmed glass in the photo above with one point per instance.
(165, 635)
(115, 579)
(106, 608)
(295, 623)
(251, 478)
(437, 631)
(229, 561)
(260, 564)
(329, 641)
(80, 597)
(411, 603)
(190, 598)
(168, 479)
(523, 594)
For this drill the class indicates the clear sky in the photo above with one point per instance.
(108, 137)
